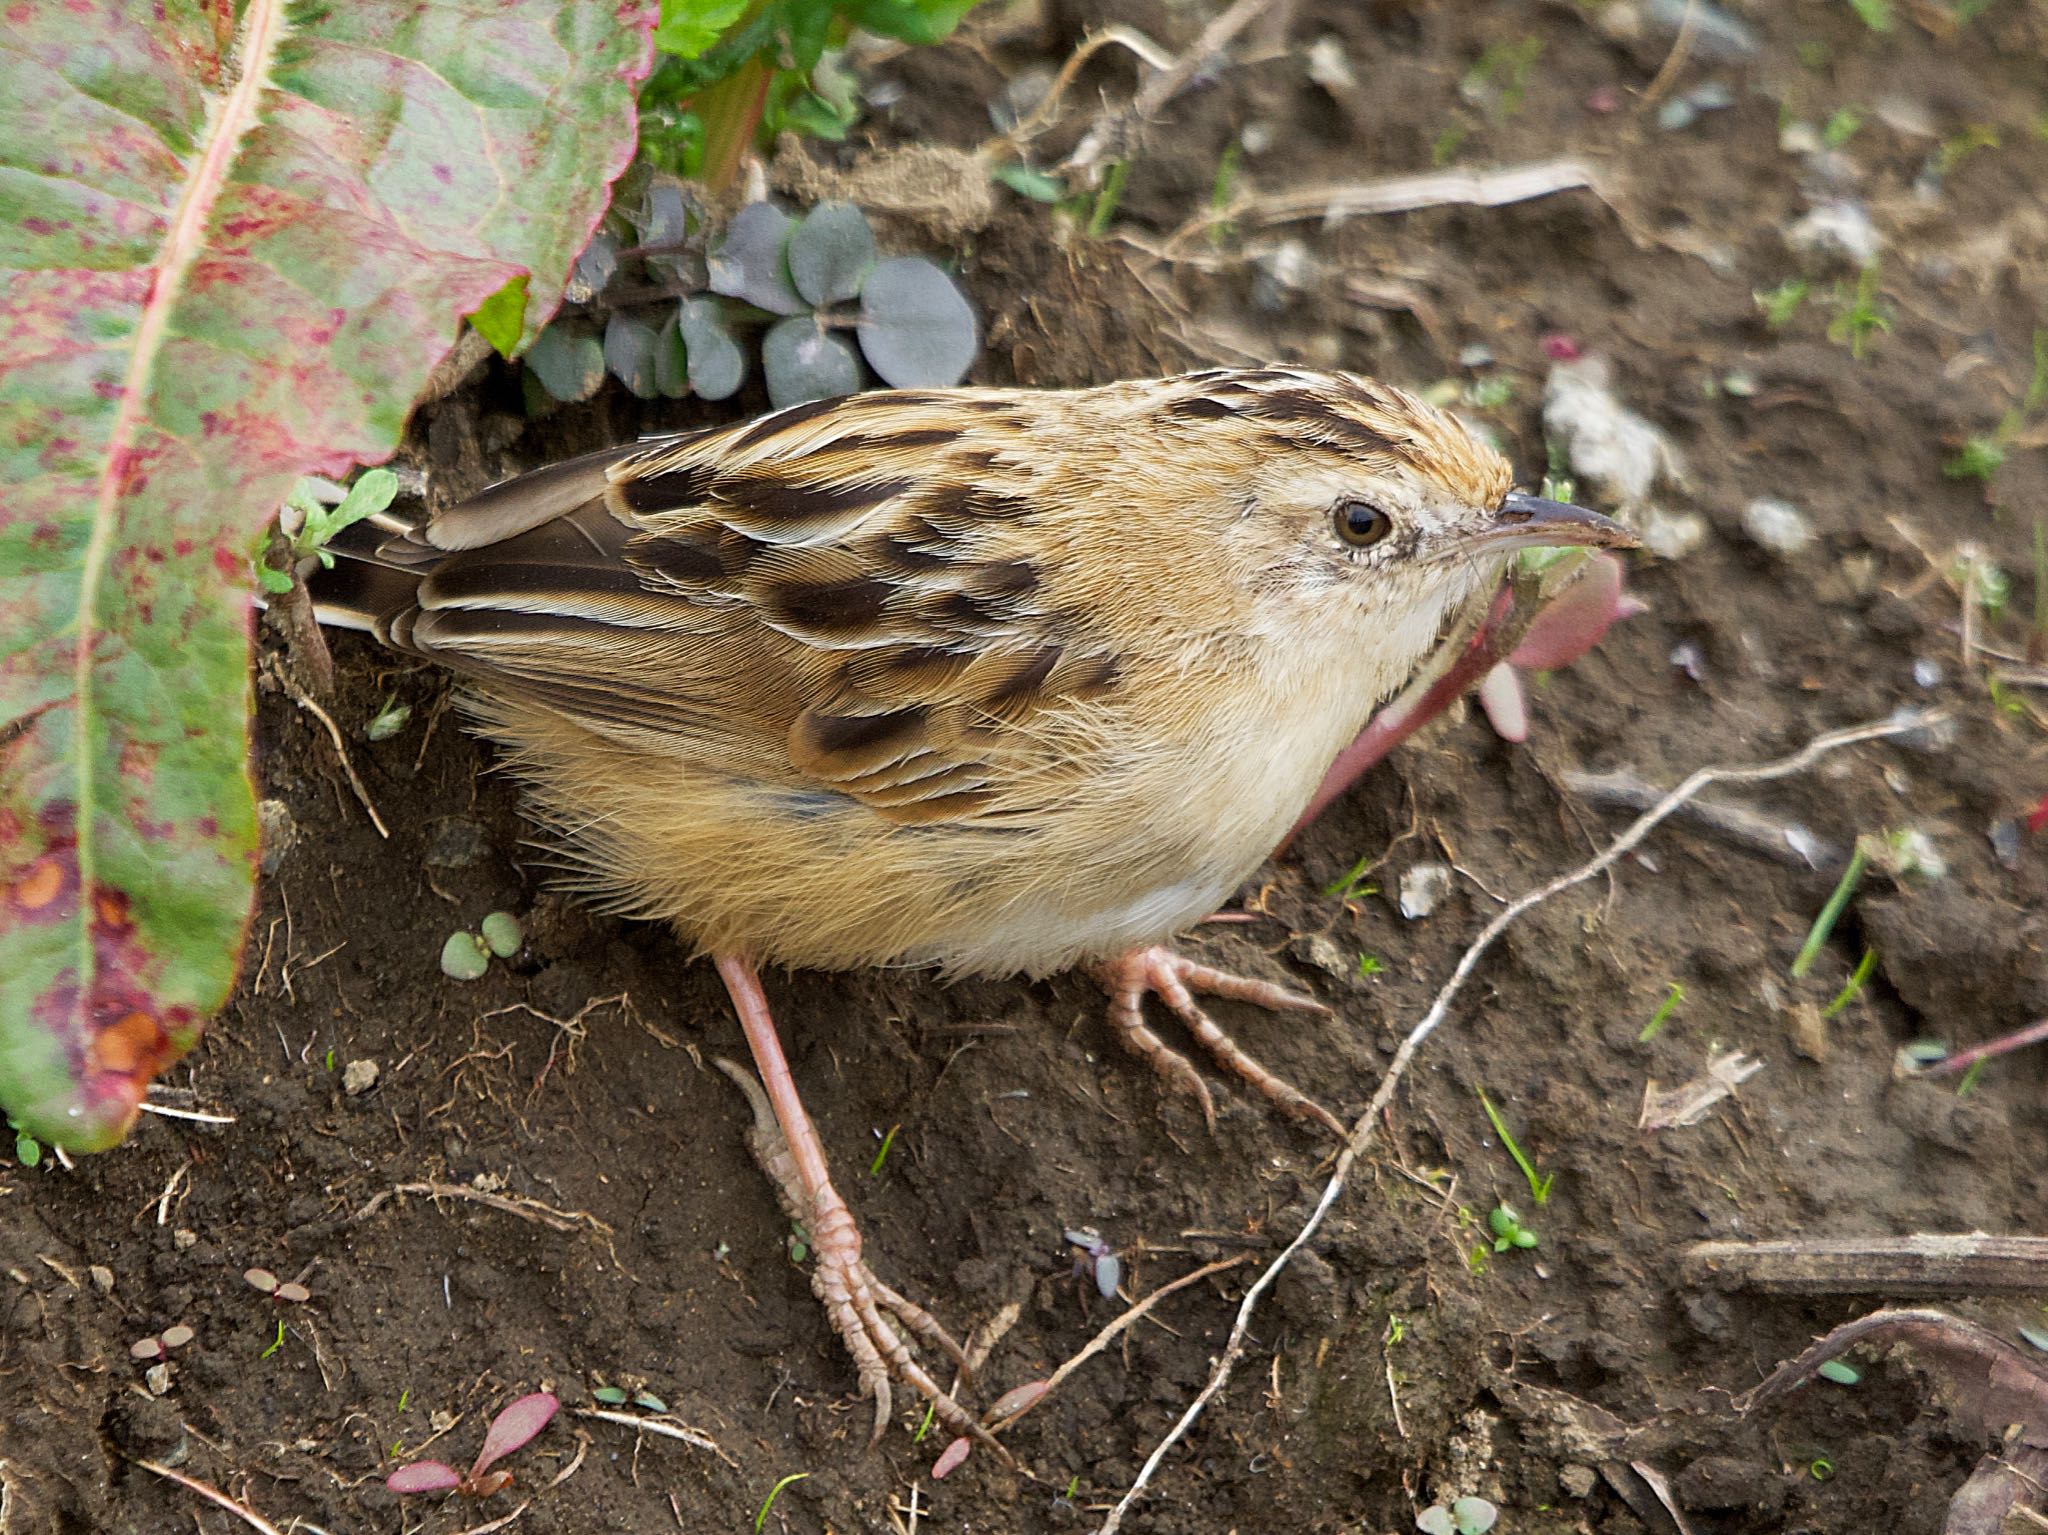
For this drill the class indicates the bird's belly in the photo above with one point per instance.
(1039, 934)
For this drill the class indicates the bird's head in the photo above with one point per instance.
(1363, 509)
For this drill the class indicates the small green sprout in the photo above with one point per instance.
(925, 1426)
(1397, 1328)
(1831, 913)
(1958, 147)
(1222, 188)
(1351, 885)
(875, 1167)
(1107, 197)
(1874, 14)
(1370, 965)
(1781, 303)
(1508, 1230)
(1539, 1184)
(330, 1059)
(1860, 314)
(1841, 127)
(318, 523)
(28, 1151)
(390, 718)
(277, 1342)
(502, 934)
(1821, 1469)
(1663, 1014)
(405, 1399)
(1039, 186)
(761, 1517)
(1854, 984)
(1840, 1371)
(1969, 1078)
(1979, 458)
(465, 957)
(799, 1243)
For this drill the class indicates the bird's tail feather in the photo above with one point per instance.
(364, 588)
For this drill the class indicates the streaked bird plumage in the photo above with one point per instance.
(992, 680)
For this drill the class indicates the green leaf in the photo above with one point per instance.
(915, 325)
(909, 21)
(717, 366)
(568, 360)
(688, 27)
(373, 490)
(226, 269)
(1039, 186)
(749, 263)
(800, 361)
(830, 253)
(501, 318)
(629, 352)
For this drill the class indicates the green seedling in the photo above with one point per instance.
(389, 719)
(1840, 1372)
(1958, 147)
(1860, 314)
(1983, 455)
(28, 1151)
(1037, 185)
(931, 1416)
(1853, 985)
(1781, 303)
(290, 1291)
(1539, 1185)
(1969, 1078)
(1370, 965)
(275, 1343)
(160, 1346)
(466, 956)
(310, 524)
(799, 1244)
(1821, 1469)
(1831, 913)
(618, 1396)
(1352, 885)
(405, 1399)
(1508, 1230)
(881, 1156)
(1841, 127)
(1663, 1014)
(1222, 188)
(1874, 14)
(761, 1515)
(1107, 197)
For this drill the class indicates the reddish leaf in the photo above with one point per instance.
(234, 261)
(512, 1428)
(424, 1476)
(951, 1457)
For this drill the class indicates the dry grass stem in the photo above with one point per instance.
(1362, 1129)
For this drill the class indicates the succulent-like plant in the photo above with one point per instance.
(812, 282)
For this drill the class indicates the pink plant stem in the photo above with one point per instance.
(1963, 1060)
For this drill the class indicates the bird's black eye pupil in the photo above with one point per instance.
(1361, 523)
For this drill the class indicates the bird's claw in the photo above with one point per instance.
(1175, 979)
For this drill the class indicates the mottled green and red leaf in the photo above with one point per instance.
(225, 262)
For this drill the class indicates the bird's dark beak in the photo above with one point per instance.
(1530, 522)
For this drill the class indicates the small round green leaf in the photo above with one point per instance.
(671, 360)
(611, 1396)
(1841, 1373)
(464, 957)
(800, 361)
(594, 268)
(502, 934)
(567, 360)
(831, 251)
(915, 326)
(629, 347)
(749, 263)
(717, 367)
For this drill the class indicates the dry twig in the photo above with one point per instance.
(1362, 1129)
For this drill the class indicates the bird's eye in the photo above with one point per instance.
(1362, 524)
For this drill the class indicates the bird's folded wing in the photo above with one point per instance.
(823, 598)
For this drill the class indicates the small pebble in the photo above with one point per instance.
(1671, 535)
(184, 1239)
(1836, 231)
(1422, 888)
(358, 1077)
(1927, 673)
(1777, 525)
(102, 1278)
(1477, 355)
(2005, 842)
(1690, 659)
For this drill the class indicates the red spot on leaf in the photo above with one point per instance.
(444, 175)
(225, 563)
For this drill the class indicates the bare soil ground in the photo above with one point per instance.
(641, 1248)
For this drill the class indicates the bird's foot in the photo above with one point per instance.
(871, 1318)
(1175, 979)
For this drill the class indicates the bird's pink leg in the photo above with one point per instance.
(860, 1306)
(1174, 980)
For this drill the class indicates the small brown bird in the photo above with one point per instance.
(990, 680)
